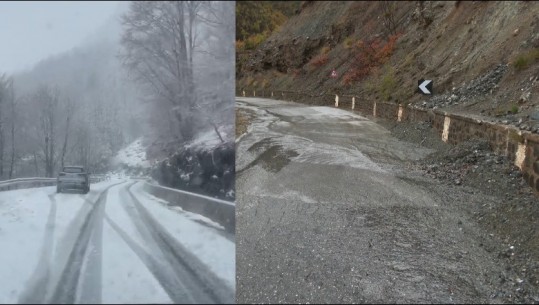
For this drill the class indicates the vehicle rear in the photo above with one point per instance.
(73, 178)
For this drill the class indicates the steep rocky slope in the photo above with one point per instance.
(482, 56)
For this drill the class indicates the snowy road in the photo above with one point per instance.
(117, 244)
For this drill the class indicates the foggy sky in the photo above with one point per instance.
(34, 30)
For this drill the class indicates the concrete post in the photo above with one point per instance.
(520, 155)
(399, 114)
(374, 110)
(336, 100)
(445, 132)
(353, 102)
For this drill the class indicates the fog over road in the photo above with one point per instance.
(326, 213)
(117, 244)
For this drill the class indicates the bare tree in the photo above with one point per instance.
(3, 96)
(158, 42)
(217, 48)
(13, 119)
(159, 45)
(70, 109)
(6, 99)
(47, 102)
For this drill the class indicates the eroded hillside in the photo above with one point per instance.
(482, 56)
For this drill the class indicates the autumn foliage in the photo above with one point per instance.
(319, 60)
(257, 20)
(370, 55)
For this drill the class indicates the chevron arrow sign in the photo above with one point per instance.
(425, 86)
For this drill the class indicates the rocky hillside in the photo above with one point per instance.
(206, 165)
(482, 56)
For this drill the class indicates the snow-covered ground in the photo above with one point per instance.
(33, 222)
(23, 219)
(40, 229)
(209, 139)
(133, 155)
(212, 249)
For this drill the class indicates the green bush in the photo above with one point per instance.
(253, 41)
(521, 62)
(388, 83)
(348, 42)
(514, 109)
(526, 59)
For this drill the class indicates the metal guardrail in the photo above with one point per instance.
(220, 211)
(36, 179)
(21, 183)
(98, 178)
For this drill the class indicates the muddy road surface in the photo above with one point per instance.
(327, 213)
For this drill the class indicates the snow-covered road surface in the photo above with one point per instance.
(117, 244)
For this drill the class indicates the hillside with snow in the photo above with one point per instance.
(209, 139)
(133, 155)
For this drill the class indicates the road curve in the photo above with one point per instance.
(108, 247)
(326, 213)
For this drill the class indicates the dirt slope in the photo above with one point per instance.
(483, 56)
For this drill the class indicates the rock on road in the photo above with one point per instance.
(117, 244)
(326, 215)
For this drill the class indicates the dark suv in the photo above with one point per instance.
(73, 177)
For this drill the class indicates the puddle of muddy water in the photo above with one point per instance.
(272, 159)
(275, 158)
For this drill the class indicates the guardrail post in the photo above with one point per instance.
(353, 102)
(520, 155)
(445, 132)
(254, 93)
(374, 110)
(399, 113)
(243, 93)
(271, 93)
(336, 100)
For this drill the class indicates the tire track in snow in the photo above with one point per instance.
(66, 289)
(202, 284)
(161, 272)
(36, 289)
(154, 261)
(90, 286)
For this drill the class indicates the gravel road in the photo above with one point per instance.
(330, 209)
